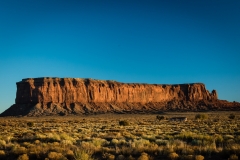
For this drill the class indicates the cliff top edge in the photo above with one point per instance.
(41, 79)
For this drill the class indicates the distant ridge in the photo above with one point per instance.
(64, 96)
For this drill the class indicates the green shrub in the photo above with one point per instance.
(124, 123)
(160, 118)
(201, 116)
(30, 124)
(231, 116)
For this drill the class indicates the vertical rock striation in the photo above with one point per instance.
(74, 90)
(49, 96)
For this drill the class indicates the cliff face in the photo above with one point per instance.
(49, 96)
(71, 90)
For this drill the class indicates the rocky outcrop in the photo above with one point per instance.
(73, 90)
(62, 96)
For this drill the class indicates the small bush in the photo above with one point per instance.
(131, 157)
(199, 157)
(2, 153)
(121, 157)
(201, 116)
(124, 123)
(19, 150)
(82, 155)
(187, 157)
(56, 156)
(160, 118)
(2, 143)
(231, 116)
(110, 157)
(173, 156)
(30, 124)
(114, 141)
(144, 156)
(70, 153)
(233, 157)
(23, 157)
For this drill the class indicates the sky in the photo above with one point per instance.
(141, 41)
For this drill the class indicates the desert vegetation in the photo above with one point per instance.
(209, 135)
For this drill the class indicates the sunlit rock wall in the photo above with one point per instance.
(73, 90)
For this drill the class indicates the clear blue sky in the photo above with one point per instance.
(150, 41)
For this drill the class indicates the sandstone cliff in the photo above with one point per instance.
(47, 96)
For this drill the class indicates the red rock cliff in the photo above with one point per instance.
(73, 90)
(62, 96)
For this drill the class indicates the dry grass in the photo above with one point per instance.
(102, 137)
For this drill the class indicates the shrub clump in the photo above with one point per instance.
(160, 118)
(124, 123)
(2, 153)
(55, 156)
(201, 116)
(144, 156)
(30, 124)
(199, 157)
(173, 156)
(231, 116)
(233, 157)
(82, 154)
(23, 157)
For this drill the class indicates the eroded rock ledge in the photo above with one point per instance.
(62, 96)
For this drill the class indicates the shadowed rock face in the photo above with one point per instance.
(49, 96)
